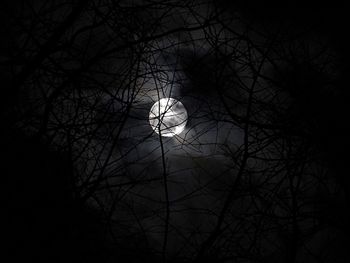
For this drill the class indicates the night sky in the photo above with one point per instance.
(259, 174)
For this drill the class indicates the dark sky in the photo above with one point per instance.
(251, 179)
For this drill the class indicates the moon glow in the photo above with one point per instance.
(168, 117)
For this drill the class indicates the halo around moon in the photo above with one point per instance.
(168, 117)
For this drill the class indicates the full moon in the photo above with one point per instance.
(168, 117)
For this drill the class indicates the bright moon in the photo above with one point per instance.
(168, 117)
